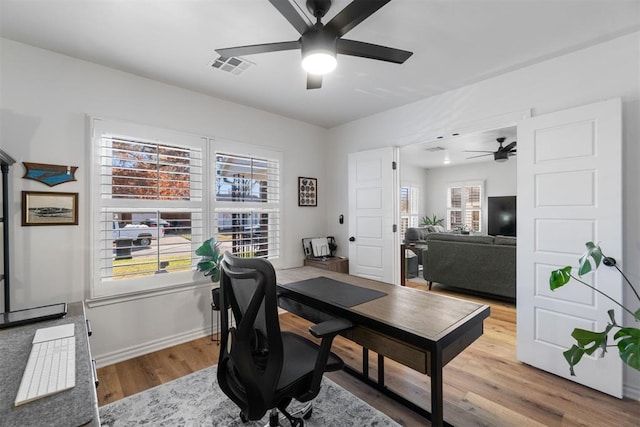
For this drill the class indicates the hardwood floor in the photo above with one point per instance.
(484, 386)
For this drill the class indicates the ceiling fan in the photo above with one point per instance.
(319, 42)
(501, 155)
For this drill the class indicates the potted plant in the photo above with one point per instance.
(433, 220)
(627, 339)
(211, 257)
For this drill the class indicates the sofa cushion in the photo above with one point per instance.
(416, 234)
(505, 240)
(462, 238)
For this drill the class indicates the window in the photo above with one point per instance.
(408, 209)
(247, 201)
(464, 206)
(147, 205)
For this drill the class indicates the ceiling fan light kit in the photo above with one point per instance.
(319, 62)
(320, 43)
(500, 157)
(318, 52)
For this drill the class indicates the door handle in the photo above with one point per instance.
(352, 239)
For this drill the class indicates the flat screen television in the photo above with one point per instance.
(502, 216)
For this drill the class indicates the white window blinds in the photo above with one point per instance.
(148, 207)
(247, 204)
(464, 206)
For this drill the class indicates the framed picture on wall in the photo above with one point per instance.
(49, 208)
(307, 191)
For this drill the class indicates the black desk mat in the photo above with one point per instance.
(334, 291)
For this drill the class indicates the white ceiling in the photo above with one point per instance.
(455, 150)
(455, 43)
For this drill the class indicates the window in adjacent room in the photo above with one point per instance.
(247, 200)
(464, 206)
(408, 209)
(147, 207)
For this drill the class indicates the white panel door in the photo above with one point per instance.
(569, 193)
(372, 209)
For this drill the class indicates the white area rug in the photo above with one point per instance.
(196, 400)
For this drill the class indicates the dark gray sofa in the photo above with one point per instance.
(415, 238)
(484, 264)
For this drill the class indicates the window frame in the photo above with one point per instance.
(464, 185)
(99, 205)
(412, 215)
(250, 151)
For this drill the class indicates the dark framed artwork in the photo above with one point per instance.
(49, 208)
(307, 191)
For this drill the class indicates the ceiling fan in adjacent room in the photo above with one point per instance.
(501, 155)
(320, 43)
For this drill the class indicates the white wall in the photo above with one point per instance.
(45, 98)
(604, 71)
(499, 180)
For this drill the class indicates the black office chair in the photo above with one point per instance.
(260, 367)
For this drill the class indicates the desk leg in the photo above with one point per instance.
(436, 388)
(380, 370)
(365, 362)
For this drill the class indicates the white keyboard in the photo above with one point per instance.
(51, 367)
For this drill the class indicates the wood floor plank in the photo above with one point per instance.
(110, 388)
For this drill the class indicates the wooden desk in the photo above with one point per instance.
(73, 407)
(418, 329)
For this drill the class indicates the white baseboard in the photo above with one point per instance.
(631, 392)
(107, 359)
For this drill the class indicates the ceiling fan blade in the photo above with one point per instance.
(230, 52)
(510, 146)
(314, 81)
(372, 51)
(287, 10)
(481, 155)
(356, 12)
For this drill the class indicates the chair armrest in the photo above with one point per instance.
(326, 330)
(330, 327)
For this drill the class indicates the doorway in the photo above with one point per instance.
(429, 169)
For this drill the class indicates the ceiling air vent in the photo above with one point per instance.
(435, 149)
(232, 65)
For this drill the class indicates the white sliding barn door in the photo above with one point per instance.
(373, 203)
(569, 193)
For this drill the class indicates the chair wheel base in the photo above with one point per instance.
(308, 414)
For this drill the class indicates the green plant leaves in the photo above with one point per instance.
(431, 220)
(594, 253)
(559, 277)
(573, 357)
(628, 339)
(588, 343)
(629, 346)
(211, 257)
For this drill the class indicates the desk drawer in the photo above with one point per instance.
(413, 357)
(408, 355)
